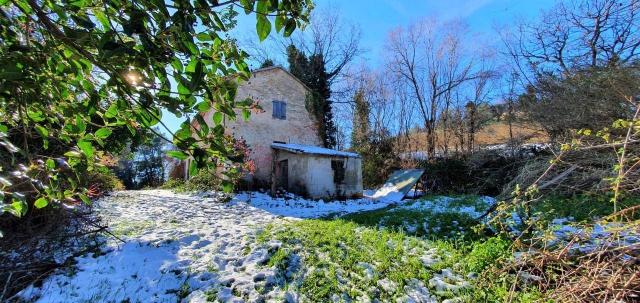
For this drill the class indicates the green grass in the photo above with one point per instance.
(335, 256)
(425, 222)
(345, 258)
(337, 253)
(583, 208)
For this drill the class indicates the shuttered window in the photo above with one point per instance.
(279, 110)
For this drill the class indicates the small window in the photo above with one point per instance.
(279, 110)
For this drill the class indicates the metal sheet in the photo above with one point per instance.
(398, 185)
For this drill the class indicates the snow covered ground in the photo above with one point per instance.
(190, 247)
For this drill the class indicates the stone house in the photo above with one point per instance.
(285, 120)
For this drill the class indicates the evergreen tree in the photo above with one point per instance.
(312, 72)
(360, 132)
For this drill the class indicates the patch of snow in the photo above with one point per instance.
(187, 243)
(297, 207)
(416, 292)
(388, 285)
(187, 247)
(447, 281)
(443, 204)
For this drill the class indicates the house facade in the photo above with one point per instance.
(284, 119)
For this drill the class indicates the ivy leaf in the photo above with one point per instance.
(263, 27)
(41, 202)
(178, 154)
(103, 133)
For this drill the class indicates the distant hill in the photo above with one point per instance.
(494, 133)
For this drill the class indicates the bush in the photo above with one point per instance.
(204, 180)
(103, 180)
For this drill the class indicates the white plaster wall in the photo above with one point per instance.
(314, 174)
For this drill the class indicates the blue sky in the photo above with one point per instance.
(377, 17)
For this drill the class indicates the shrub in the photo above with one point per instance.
(103, 180)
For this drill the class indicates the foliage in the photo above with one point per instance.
(330, 250)
(360, 131)
(422, 220)
(311, 71)
(487, 253)
(203, 180)
(592, 97)
(267, 63)
(103, 180)
(148, 164)
(73, 73)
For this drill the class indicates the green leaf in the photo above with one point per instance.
(279, 23)
(84, 198)
(263, 7)
(203, 106)
(289, 27)
(246, 114)
(103, 133)
(204, 36)
(263, 27)
(247, 5)
(193, 168)
(81, 126)
(41, 202)
(51, 164)
(227, 186)
(112, 111)
(86, 147)
(72, 154)
(42, 131)
(19, 208)
(178, 154)
(36, 116)
(217, 118)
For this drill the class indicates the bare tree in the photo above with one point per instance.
(428, 58)
(576, 35)
(327, 34)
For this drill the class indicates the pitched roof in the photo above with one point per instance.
(264, 69)
(315, 150)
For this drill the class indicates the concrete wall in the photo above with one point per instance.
(266, 86)
(312, 175)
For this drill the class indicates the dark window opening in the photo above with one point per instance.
(279, 110)
(338, 171)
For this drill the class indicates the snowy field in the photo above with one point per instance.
(178, 247)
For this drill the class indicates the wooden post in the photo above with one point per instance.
(274, 167)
